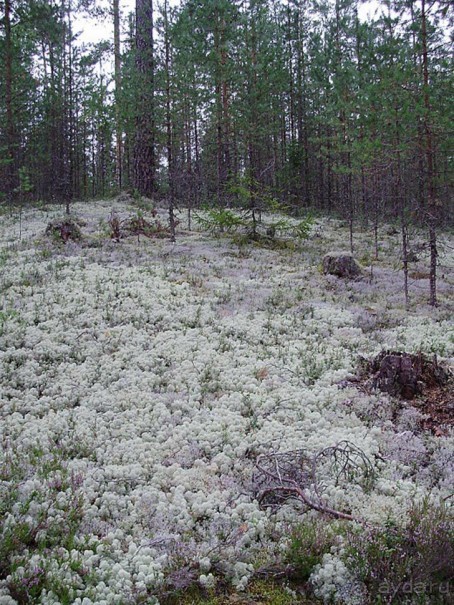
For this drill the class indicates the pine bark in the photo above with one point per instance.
(432, 210)
(170, 170)
(144, 175)
(10, 128)
(118, 127)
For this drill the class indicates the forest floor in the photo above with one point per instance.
(141, 380)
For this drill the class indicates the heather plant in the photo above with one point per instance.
(308, 543)
(41, 507)
(409, 563)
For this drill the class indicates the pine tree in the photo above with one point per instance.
(144, 175)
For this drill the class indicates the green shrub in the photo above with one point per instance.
(220, 220)
(303, 228)
(247, 228)
(38, 524)
(407, 564)
(308, 543)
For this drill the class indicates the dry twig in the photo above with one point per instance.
(300, 476)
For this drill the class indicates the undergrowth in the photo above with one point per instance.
(41, 508)
(409, 563)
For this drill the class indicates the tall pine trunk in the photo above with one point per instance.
(432, 210)
(170, 170)
(144, 175)
(10, 129)
(118, 127)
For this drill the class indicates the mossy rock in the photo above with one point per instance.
(341, 264)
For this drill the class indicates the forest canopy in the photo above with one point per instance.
(229, 103)
(300, 98)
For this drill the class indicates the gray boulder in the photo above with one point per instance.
(342, 264)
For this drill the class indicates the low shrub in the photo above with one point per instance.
(309, 541)
(220, 220)
(41, 508)
(406, 564)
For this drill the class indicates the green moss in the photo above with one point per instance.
(309, 542)
(264, 591)
(258, 592)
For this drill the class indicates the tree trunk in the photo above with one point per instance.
(144, 148)
(169, 126)
(68, 126)
(432, 210)
(118, 128)
(10, 128)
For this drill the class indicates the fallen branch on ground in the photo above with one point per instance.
(299, 476)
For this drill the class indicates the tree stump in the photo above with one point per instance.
(398, 376)
(404, 375)
(124, 198)
(64, 230)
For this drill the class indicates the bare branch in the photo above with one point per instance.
(299, 476)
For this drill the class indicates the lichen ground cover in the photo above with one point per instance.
(140, 380)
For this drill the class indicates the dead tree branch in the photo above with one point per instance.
(301, 476)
